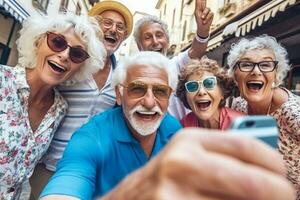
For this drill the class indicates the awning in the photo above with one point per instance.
(16, 11)
(261, 15)
(251, 21)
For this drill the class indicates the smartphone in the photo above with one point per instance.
(259, 126)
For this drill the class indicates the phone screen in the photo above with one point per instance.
(258, 126)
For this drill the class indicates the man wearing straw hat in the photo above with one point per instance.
(91, 97)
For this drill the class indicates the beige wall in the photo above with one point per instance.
(177, 35)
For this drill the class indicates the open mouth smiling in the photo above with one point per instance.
(56, 67)
(203, 104)
(159, 50)
(110, 39)
(254, 85)
(147, 115)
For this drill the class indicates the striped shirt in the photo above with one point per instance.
(85, 100)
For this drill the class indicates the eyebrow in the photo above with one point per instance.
(264, 58)
(113, 20)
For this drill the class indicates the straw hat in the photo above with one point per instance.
(102, 6)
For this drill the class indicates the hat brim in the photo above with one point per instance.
(102, 6)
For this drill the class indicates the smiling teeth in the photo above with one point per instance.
(146, 112)
(255, 82)
(58, 66)
(203, 101)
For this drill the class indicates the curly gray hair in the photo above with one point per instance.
(148, 19)
(87, 29)
(260, 42)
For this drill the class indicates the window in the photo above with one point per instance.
(173, 19)
(78, 9)
(184, 31)
(41, 5)
(4, 53)
(63, 5)
(181, 11)
(294, 80)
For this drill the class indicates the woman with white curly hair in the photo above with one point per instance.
(259, 66)
(52, 50)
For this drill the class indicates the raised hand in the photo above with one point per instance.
(209, 165)
(204, 18)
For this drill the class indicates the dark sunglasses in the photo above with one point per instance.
(208, 83)
(58, 43)
(137, 89)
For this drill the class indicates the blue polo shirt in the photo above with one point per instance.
(101, 153)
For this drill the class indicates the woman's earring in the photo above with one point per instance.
(273, 85)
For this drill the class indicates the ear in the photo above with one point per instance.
(119, 95)
(139, 46)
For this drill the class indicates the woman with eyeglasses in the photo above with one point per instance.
(203, 87)
(52, 50)
(259, 66)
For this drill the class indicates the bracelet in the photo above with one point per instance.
(201, 39)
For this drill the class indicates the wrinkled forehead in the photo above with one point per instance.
(147, 74)
(152, 27)
(114, 15)
(200, 75)
(258, 53)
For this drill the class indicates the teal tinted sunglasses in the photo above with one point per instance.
(209, 83)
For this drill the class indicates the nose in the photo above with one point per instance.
(202, 91)
(155, 40)
(256, 70)
(113, 27)
(149, 100)
(64, 55)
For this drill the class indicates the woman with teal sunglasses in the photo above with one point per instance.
(203, 87)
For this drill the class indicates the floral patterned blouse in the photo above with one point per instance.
(288, 121)
(20, 147)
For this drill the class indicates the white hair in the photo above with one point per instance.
(146, 20)
(145, 58)
(87, 29)
(260, 42)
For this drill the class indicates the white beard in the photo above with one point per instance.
(145, 128)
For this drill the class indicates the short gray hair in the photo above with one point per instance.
(145, 58)
(260, 42)
(148, 19)
(87, 29)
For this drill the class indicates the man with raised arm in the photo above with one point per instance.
(151, 34)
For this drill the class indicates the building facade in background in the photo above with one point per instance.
(14, 12)
(235, 19)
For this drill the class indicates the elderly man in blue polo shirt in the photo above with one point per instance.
(117, 142)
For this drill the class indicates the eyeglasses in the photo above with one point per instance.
(137, 89)
(58, 43)
(264, 66)
(108, 23)
(208, 83)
